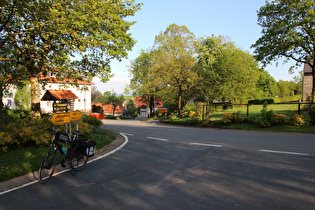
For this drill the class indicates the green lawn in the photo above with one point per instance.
(255, 110)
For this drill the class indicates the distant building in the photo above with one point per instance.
(82, 91)
(144, 110)
(307, 82)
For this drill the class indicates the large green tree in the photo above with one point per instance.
(174, 61)
(76, 38)
(288, 32)
(227, 71)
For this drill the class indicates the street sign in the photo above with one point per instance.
(57, 107)
(75, 116)
(60, 118)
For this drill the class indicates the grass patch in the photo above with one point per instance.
(18, 162)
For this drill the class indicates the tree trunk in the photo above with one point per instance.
(1, 106)
(179, 103)
(35, 97)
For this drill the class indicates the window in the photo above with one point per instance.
(9, 103)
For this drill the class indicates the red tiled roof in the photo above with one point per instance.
(140, 104)
(108, 108)
(53, 95)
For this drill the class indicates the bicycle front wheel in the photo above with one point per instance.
(77, 159)
(47, 167)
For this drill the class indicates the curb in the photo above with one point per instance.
(32, 178)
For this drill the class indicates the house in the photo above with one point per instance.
(144, 110)
(108, 109)
(81, 89)
(307, 82)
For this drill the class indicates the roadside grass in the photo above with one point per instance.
(25, 160)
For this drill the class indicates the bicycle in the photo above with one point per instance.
(76, 156)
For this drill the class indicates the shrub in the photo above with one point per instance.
(91, 120)
(261, 101)
(281, 119)
(229, 117)
(311, 114)
(97, 109)
(193, 110)
(267, 116)
(296, 120)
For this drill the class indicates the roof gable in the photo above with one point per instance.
(58, 95)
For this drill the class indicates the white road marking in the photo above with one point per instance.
(283, 152)
(127, 134)
(158, 139)
(208, 145)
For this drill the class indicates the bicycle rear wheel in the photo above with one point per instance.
(47, 167)
(77, 159)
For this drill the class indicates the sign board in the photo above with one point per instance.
(75, 116)
(59, 107)
(60, 118)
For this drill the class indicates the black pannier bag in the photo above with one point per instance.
(62, 136)
(86, 146)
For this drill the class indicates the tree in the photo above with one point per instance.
(173, 63)
(46, 35)
(227, 71)
(23, 97)
(266, 85)
(288, 31)
(113, 99)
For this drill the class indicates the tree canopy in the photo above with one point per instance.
(288, 31)
(75, 38)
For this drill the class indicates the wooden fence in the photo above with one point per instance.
(205, 107)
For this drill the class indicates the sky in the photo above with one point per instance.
(235, 19)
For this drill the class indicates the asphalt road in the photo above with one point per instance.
(169, 167)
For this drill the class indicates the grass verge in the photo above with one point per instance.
(22, 161)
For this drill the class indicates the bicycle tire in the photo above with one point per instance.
(47, 167)
(77, 159)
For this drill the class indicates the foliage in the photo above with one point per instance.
(12, 115)
(23, 97)
(229, 117)
(261, 101)
(132, 110)
(113, 99)
(193, 110)
(267, 116)
(311, 113)
(168, 68)
(266, 85)
(227, 71)
(112, 117)
(286, 30)
(97, 109)
(41, 35)
(91, 120)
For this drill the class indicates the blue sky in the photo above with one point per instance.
(236, 19)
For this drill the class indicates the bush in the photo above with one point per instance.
(281, 119)
(267, 116)
(296, 120)
(12, 115)
(91, 120)
(193, 110)
(311, 114)
(261, 101)
(229, 117)
(97, 109)
(111, 117)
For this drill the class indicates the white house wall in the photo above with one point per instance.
(83, 92)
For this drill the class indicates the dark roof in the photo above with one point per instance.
(58, 95)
